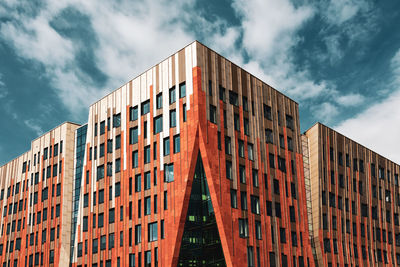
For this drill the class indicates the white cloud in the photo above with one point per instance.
(131, 38)
(340, 11)
(350, 100)
(3, 89)
(33, 125)
(378, 127)
(324, 112)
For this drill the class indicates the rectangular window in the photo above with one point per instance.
(102, 127)
(213, 114)
(152, 232)
(135, 159)
(255, 177)
(177, 144)
(258, 230)
(169, 172)
(111, 215)
(243, 200)
(133, 135)
(243, 228)
(133, 113)
(228, 149)
(271, 160)
(182, 90)
(101, 150)
(250, 151)
(234, 198)
(221, 93)
(100, 172)
(145, 107)
(165, 200)
(147, 205)
(233, 98)
(158, 124)
(236, 122)
(289, 122)
(241, 148)
(109, 168)
(229, 170)
(246, 126)
(242, 174)
(138, 183)
(116, 120)
(147, 180)
(172, 118)
(172, 97)
(100, 221)
(138, 234)
(245, 103)
(159, 101)
(166, 146)
(267, 112)
(184, 113)
(147, 154)
(255, 204)
(250, 257)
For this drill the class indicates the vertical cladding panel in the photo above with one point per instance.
(188, 74)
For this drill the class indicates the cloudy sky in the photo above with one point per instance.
(340, 60)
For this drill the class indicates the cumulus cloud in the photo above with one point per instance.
(130, 38)
(127, 38)
(352, 99)
(325, 112)
(378, 126)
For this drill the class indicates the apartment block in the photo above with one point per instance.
(196, 162)
(35, 202)
(355, 201)
(193, 163)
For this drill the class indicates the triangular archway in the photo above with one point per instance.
(201, 244)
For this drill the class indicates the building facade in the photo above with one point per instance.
(193, 163)
(355, 201)
(35, 202)
(196, 162)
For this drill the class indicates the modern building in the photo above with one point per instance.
(196, 162)
(355, 201)
(35, 202)
(193, 163)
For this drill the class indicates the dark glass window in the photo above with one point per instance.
(145, 107)
(117, 120)
(172, 118)
(159, 103)
(133, 113)
(182, 90)
(172, 97)
(177, 144)
(133, 135)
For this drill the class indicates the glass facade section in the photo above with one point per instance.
(201, 245)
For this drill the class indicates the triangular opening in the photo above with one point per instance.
(201, 244)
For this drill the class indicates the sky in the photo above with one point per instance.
(340, 60)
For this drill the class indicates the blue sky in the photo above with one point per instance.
(340, 60)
